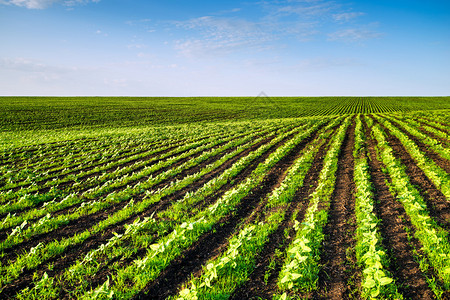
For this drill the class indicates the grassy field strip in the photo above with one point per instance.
(377, 281)
(433, 144)
(142, 233)
(437, 175)
(42, 252)
(130, 280)
(301, 267)
(49, 223)
(222, 275)
(433, 238)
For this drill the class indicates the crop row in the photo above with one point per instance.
(433, 238)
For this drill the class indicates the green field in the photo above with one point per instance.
(21, 113)
(225, 198)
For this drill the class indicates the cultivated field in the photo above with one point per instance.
(225, 198)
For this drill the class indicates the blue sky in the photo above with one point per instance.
(224, 48)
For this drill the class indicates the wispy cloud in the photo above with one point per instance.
(273, 24)
(353, 35)
(345, 17)
(41, 4)
(222, 35)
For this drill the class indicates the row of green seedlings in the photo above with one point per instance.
(129, 280)
(223, 275)
(442, 135)
(439, 119)
(442, 126)
(100, 149)
(145, 148)
(301, 266)
(121, 176)
(77, 178)
(32, 154)
(377, 282)
(115, 181)
(147, 135)
(50, 162)
(46, 170)
(47, 223)
(433, 238)
(432, 144)
(439, 177)
(127, 245)
(33, 197)
(42, 252)
(29, 201)
(436, 129)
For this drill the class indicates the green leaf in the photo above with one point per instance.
(369, 283)
(285, 279)
(385, 280)
(375, 293)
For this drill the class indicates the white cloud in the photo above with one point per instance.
(274, 23)
(353, 35)
(222, 35)
(41, 4)
(345, 17)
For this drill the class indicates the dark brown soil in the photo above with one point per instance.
(431, 134)
(440, 161)
(406, 270)
(427, 121)
(257, 285)
(338, 265)
(437, 204)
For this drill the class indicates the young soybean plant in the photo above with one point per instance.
(433, 238)
(377, 282)
(301, 267)
(436, 174)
